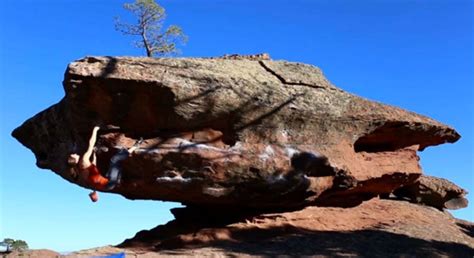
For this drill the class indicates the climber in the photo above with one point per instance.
(88, 172)
(86, 169)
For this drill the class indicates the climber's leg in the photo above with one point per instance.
(114, 173)
(115, 169)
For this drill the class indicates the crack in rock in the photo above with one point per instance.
(284, 81)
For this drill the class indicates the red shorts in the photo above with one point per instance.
(95, 179)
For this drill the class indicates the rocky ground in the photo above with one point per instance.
(38, 253)
(376, 228)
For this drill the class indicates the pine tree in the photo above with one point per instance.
(149, 27)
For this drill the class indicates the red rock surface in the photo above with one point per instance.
(376, 228)
(248, 133)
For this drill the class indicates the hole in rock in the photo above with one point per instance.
(254, 170)
(229, 138)
(312, 164)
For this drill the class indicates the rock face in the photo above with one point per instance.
(231, 133)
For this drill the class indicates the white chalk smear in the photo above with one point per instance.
(237, 146)
(217, 191)
(269, 150)
(175, 179)
(275, 178)
(183, 143)
(268, 153)
(290, 151)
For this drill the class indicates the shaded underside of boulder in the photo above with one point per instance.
(241, 133)
(435, 192)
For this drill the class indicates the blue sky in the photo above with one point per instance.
(416, 54)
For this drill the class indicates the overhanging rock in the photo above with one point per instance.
(240, 133)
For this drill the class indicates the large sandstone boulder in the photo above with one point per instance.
(235, 133)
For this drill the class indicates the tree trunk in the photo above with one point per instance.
(148, 50)
(149, 53)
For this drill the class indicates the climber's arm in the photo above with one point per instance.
(85, 161)
(94, 158)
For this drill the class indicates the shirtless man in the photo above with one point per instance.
(86, 169)
(88, 172)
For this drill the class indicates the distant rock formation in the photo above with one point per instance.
(36, 253)
(241, 133)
